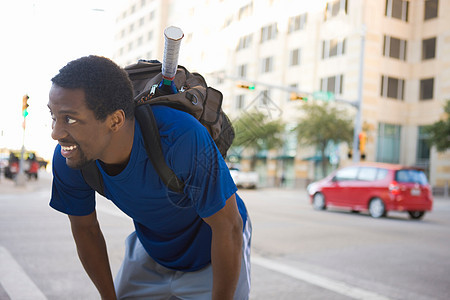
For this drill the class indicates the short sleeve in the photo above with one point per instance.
(70, 192)
(197, 160)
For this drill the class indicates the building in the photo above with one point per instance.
(282, 46)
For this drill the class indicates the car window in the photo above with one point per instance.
(411, 176)
(381, 174)
(346, 174)
(367, 173)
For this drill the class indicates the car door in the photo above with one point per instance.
(340, 188)
(360, 188)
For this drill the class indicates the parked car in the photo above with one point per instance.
(244, 179)
(31, 165)
(376, 187)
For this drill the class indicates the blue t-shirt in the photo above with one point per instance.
(169, 225)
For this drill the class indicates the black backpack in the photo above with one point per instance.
(194, 97)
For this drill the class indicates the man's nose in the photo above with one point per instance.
(58, 131)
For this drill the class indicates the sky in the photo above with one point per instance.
(39, 37)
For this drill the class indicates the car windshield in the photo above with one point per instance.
(411, 176)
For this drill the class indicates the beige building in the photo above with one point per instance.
(311, 46)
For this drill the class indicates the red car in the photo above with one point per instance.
(376, 187)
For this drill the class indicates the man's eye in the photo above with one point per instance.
(69, 120)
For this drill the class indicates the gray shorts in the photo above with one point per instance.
(140, 277)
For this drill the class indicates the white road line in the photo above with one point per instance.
(329, 284)
(15, 281)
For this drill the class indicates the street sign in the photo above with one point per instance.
(323, 95)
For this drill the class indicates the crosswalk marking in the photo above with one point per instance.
(15, 280)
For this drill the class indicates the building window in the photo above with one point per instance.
(388, 147)
(294, 57)
(431, 9)
(267, 65)
(397, 9)
(151, 16)
(394, 47)
(333, 48)
(265, 98)
(423, 148)
(333, 8)
(240, 101)
(297, 23)
(141, 22)
(429, 48)
(139, 41)
(269, 32)
(150, 35)
(245, 42)
(426, 89)
(245, 11)
(332, 84)
(392, 87)
(242, 71)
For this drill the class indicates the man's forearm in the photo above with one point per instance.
(226, 254)
(91, 248)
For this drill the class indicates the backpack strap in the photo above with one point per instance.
(93, 177)
(144, 115)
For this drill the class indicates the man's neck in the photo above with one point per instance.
(122, 144)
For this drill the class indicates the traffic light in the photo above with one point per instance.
(246, 86)
(362, 137)
(295, 96)
(25, 105)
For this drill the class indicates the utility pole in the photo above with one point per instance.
(358, 118)
(20, 180)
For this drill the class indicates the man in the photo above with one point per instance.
(193, 245)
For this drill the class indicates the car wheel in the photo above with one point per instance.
(416, 214)
(376, 208)
(319, 201)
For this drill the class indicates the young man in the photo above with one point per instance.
(194, 245)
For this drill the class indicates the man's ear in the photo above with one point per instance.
(117, 120)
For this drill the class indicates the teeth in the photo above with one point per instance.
(70, 148)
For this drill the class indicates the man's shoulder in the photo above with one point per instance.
(175, 121)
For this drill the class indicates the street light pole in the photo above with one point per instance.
(358, 118)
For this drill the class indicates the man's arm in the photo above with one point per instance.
(92, 252)
(226, 249)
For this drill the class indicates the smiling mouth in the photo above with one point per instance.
(66, 151)
(68, 148)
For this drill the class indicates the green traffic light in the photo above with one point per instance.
(251, 87)
(25, 113)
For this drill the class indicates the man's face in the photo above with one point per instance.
(82, 137)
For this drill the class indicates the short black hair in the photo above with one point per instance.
(106, 85)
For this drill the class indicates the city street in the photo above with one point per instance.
(297, 253)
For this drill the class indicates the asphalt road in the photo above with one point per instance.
(297, 253)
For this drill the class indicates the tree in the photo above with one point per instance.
(255, 131)
(439, 132)
(321, 124)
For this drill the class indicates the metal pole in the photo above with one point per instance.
(20, 180)
(358, 118)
